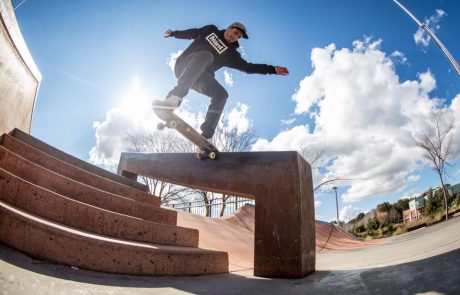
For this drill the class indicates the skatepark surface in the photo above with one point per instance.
(425, 261)
(235, 234)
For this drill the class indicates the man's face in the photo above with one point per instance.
(232, 35)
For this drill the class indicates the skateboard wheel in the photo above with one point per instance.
(173, 124)
(212, 155)
(161, 126)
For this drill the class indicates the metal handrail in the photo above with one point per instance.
(187, 206)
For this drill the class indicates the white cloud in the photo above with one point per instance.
(171, 61)
(288, 121)
(242, 51)
(237, 118)
(421, 37)
(398, 56)
(134, 116)
(228, 77)
(347, 213)
(289, 140)
(366, 120)
(455, 109)
(413, 178)
(408, 196)
(317, 204)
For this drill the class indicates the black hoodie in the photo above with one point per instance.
(211, 39)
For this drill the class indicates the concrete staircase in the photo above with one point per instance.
(58, 208)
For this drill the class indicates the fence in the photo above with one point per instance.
(217, 208)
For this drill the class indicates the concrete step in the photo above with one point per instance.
(70, 188)
(45, 240)
(40, 158)
(57, 208)
(58, 154)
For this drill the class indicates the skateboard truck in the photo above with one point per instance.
(170, 124)
(206, 149)
(205, 153)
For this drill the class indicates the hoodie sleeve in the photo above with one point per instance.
(191, 33)
(237, 62)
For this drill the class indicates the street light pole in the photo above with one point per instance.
(438, 42)
(336, 205)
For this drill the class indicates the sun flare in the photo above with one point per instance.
(135, 101)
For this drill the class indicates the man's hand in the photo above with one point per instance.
(281, 71)
(168, 33)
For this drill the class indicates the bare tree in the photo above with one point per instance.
(437, 146)
(226, 140)
(313, 157)
(162, 142)
(230, 140)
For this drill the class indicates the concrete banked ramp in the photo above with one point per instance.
(235, 234)
(60, 209)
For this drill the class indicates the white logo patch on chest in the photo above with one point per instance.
(216, 43)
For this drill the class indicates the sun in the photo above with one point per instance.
(135, 101)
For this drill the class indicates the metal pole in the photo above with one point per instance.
(336, 205)
(438, 42)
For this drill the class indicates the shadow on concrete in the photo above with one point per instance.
(435, 274)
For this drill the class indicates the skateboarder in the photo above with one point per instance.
(210, 50)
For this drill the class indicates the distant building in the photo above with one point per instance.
(416, 209)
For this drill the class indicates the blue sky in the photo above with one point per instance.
(359, 88)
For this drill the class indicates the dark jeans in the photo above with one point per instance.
(191, 73)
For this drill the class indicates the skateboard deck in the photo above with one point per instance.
(207, 149)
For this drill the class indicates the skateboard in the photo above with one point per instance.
(207, 149)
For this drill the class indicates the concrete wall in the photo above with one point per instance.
(19, 76)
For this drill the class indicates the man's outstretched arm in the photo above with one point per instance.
(186, 34)
(281, 70)
(251, 68)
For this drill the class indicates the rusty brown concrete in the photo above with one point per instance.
(75, 173)
(331, 237)
(19, 76)
(281, 184)
(81, 192)
(44, 203)
(234, 234)
(60, 244)
(74, 161)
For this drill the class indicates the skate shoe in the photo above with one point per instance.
(170, 103)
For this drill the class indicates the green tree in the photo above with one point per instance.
(394, 215)
(384, 207)
(372, 225)
(358, 218)
(434, 202)
(401, 205)
(358, 229)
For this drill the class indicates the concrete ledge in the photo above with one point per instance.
(44, 240)
(74, 161)
(44, 203)
(75, 173)
(281, 184)
(70, 188)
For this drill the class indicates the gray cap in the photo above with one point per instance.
(241, 27)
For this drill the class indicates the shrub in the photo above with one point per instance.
(372, 224)
(358, 229)
(401, 229)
